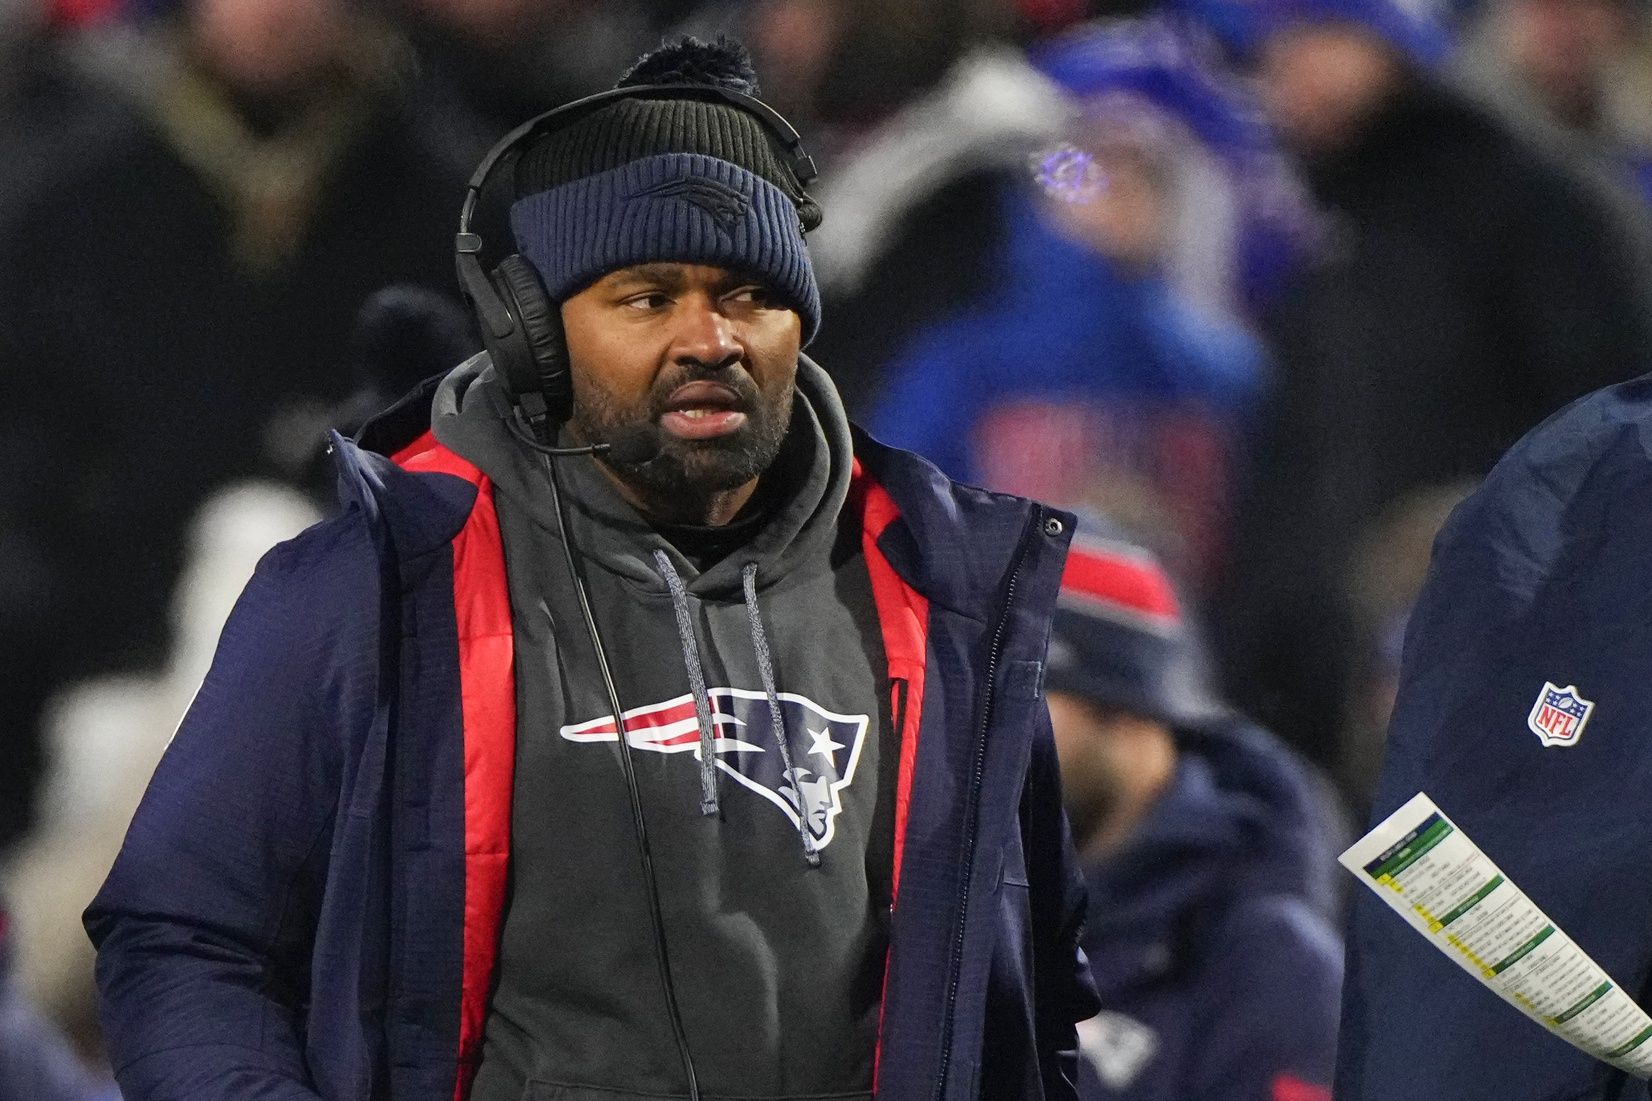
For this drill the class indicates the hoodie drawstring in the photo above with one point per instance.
(696, 683)
(702, 699)
(765, 670)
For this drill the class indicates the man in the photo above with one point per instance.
(1208, 854)
(206, 206)
(1119, 379)
(485, 65)
(399, 847)
(1472, 284)
(1538, 589)
(1576, 67)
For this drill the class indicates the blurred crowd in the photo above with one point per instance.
(1267, 283)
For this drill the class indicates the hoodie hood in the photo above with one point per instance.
(469, 414)
(1240, 819)
(789, 546)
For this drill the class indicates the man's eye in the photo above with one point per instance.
(654, 300)
(761, 297)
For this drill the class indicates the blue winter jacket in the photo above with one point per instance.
(1544, 575)
(1067, 328)
(308, 901)
(1210, 936)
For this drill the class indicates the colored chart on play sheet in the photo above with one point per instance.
(1420, 863)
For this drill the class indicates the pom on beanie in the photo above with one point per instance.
(722, 63)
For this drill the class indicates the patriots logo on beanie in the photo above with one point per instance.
(724, 204)
(668, 179)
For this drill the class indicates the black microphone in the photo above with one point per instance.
(635, 445)
(632, 446)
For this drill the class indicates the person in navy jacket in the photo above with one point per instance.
(1208, 848)
(1541, 580)
(715, 766)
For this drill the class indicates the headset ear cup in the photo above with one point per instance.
(541, 321)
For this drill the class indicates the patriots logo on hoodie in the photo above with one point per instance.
(825, 747)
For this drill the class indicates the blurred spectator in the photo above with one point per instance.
(404, 334)
(1239, 219)
(105, 737)
(845, 68)
(42, 93)
(1208, 852)
(35, 1063)
(1085, 375)
(920, 115)
(22, 25)
(485, 66)
(1044, 18)
(184, 275)
(1387, 569)
(1472, 285)
(1580, 67)
(45, 103)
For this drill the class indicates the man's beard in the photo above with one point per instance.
(691, 469)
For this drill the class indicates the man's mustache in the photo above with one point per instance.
(733, 376)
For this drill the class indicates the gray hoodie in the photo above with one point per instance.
(776, 923)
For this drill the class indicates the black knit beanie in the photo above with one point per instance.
(679, 179)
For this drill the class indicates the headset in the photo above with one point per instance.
(521, 327)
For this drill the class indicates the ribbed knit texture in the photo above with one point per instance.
(632, 129)
(682, 207)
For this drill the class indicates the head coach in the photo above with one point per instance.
(638, 729)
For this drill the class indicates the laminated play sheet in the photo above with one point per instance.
(1439, 881)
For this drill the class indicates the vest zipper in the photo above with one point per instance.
(977, 774)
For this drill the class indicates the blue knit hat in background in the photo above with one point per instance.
(1154, 60)
(1416, 29)
(1119, 639)
(668, 180)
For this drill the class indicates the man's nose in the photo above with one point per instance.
(705, 335)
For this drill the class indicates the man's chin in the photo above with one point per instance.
(712, 466)
(695, 468)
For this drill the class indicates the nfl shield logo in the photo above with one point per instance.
(1558, 716)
